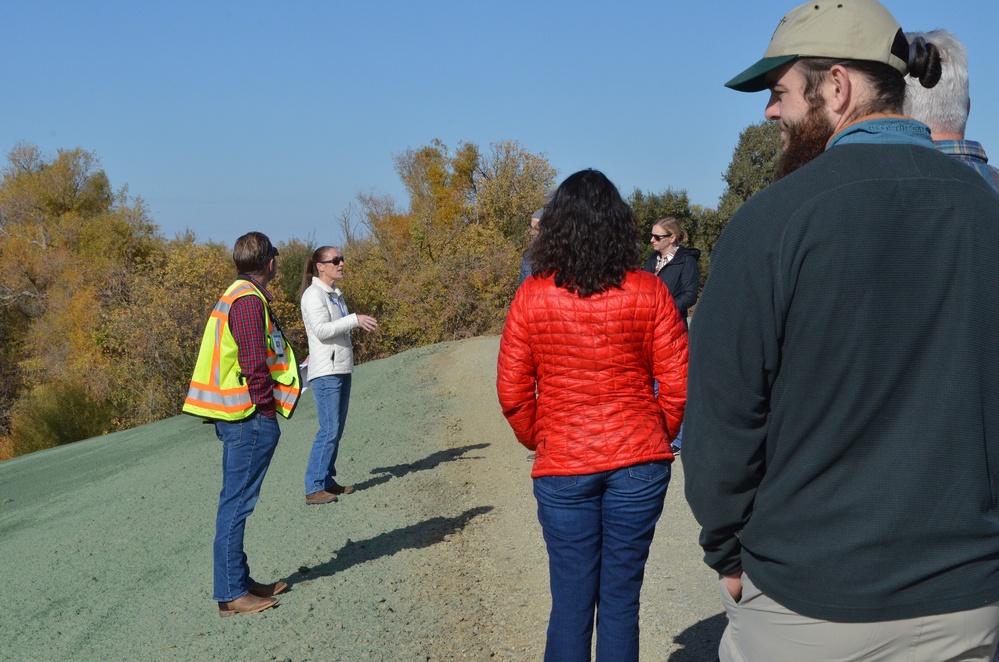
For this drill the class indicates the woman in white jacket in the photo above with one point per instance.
(331, 361)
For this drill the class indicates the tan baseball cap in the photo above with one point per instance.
(843, 29)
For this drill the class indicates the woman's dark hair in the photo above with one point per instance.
(888, 83)
(310, 270)
(589, 238)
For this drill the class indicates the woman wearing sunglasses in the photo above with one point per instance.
(583, 341)
(675, 264)
(328, 324)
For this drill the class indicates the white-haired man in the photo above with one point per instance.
(945, 107)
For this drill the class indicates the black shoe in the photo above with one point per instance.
(675, 449)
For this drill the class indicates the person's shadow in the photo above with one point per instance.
(431, 461)
(416, 536)
(700, 641)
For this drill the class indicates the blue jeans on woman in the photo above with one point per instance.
(332, 394)
(598, 529)
(247, 448)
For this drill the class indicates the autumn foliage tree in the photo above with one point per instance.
(102, 317)
(444, 268)
(151, 330)
(68, 243)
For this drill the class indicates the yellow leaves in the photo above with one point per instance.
(104, 316)
(512, 184)
(440, 190)
(58, 413)
(69, 251)
(466, 223)
(152, 329)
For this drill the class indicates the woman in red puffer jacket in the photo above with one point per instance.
(584, 339)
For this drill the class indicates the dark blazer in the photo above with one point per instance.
(681, 277)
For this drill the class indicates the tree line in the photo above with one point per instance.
(101, 315)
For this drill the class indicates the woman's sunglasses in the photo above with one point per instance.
(335, 261)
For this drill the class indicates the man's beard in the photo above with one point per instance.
(806, 139)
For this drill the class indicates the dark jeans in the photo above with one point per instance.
(247, 449)
(598, 529)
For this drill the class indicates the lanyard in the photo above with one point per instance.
(341, 306)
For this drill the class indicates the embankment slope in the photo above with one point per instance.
(105, 545)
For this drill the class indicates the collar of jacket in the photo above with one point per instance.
(883, 130)
(336, 291)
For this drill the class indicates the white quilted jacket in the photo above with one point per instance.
(328, 329)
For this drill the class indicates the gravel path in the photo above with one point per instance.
(105, 545)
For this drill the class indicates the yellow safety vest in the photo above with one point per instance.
(218, 389)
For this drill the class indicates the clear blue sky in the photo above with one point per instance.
(230, 116)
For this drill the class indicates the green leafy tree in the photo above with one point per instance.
(750, 171)
(649, 207)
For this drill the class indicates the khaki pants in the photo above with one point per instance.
(760, 630)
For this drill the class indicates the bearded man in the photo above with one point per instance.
(850, 327)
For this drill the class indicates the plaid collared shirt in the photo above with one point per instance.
(663, 260)
(973, 154)
(246, 321)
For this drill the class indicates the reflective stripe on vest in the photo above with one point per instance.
(218, 389)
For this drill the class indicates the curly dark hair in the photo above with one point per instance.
(588, 238)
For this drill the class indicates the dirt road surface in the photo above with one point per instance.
(105, 544)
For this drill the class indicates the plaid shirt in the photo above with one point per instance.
(246, 321)
(973, 154)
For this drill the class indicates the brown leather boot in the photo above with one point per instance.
(267, 590)
(336, 488)
(320, 497)
(246, 604)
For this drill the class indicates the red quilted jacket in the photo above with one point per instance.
(592, 362)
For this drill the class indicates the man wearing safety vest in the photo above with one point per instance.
(245, 374)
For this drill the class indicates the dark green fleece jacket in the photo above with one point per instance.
(841, 440)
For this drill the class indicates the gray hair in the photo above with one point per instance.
(943, 108)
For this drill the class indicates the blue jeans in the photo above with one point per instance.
(598, 529)
(247, 449)
(332, 394)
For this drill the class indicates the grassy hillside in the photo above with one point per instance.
(106, 544)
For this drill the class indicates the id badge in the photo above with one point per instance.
(278, 340)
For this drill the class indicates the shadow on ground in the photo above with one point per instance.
(416, 536)
(700, 641)
(431, 461)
